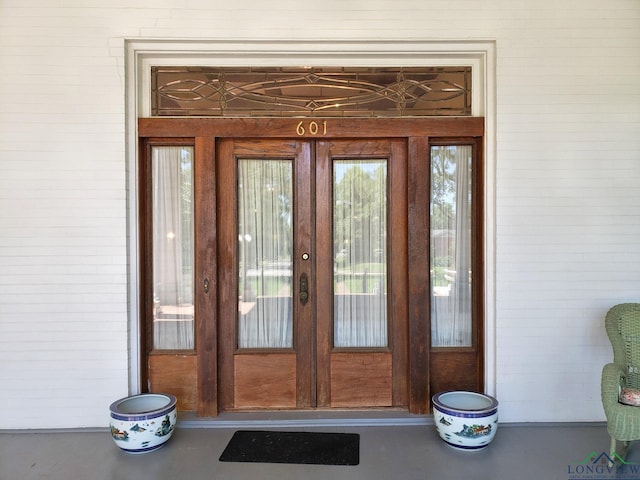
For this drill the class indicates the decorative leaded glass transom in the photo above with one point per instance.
(310, 91)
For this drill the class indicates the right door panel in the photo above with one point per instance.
(362, 315)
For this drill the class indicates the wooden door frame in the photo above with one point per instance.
(417, 131)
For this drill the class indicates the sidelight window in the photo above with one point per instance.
(173, 259)
(450, 235)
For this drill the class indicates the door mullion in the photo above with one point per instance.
(226, 277)
(205, 267)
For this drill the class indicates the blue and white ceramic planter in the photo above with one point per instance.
(465, 420)
(143, 423)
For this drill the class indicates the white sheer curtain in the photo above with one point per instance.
(451, 246)
(360, 273)
(265, 206)
(172, 197)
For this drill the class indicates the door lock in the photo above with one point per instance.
(304, 289)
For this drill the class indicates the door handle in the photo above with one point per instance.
(304, 289)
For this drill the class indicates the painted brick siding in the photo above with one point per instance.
(567, 171)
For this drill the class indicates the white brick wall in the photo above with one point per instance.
(567, 201)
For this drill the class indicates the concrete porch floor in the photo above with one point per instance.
(408, 450)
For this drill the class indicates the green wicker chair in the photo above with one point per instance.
(623, 422)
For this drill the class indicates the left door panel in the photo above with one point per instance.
(264, 339)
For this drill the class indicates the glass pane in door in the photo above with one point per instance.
(265, 208)
(450, 261)
(360, 253)
(172, 197)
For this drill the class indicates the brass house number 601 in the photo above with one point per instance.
(314, 128)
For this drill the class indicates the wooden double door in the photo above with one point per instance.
(337, 263)
(315, 311)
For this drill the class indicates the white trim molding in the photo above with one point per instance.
(141, 54)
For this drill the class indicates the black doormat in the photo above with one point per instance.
(308, 448)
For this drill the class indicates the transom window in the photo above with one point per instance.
(311, 91)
